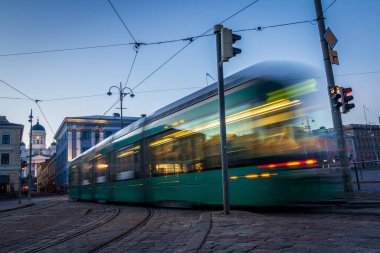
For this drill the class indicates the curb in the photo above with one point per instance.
(204, 225)
(17, 207)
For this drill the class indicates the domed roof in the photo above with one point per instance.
(22, 144)
(38, 127)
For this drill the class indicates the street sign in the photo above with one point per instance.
(333, 57)
(330, 38)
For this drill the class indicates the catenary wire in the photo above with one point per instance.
(17, 90)
(122, 21)
(133, 63)
(194, 38)
(14, 98)
(43, 114)
(69, 98)
(328, 7)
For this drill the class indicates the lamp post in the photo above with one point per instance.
(30, 155)
(307, 126)
(122, 94)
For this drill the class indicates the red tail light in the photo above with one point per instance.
(288, 164)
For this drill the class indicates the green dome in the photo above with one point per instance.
(38, 127)
(22, 144)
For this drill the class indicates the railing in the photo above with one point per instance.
(366, 171)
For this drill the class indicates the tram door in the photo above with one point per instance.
(87, 181)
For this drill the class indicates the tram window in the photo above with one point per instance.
(86, 170)
(74, 176)
(101, 168)
(125, 162)
(176, 152)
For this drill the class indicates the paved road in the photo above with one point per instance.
(351, 224)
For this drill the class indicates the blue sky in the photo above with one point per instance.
(39, 25)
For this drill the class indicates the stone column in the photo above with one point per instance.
(101, 135)
(69, 145)
(92, 137)
(78, 140)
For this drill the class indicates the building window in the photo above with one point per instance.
(85, 135)
(84, 149)
(6, 139)
(108, 134)
(4, 159)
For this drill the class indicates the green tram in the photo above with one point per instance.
(173, 155)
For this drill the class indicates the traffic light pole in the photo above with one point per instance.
(30, 156)
(19, 185)
(222, 114)
(336, 116)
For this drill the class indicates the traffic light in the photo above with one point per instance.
(228, 39)
(23, 165)
(347, 98)
(336, 96)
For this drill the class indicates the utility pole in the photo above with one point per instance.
(222, 115)
(30, 155)
(336, 116)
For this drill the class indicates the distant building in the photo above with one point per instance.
(365, 140)
(362, 143)
(77, 134)
(46, 176)
(40, 154)
(10, 139)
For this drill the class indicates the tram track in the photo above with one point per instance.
(126, 233)
(75, 233)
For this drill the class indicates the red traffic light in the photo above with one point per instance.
(346, 99)
(346, 90)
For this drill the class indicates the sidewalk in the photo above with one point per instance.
(352, 226)
(12, 204)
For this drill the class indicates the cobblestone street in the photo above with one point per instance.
(57, 225)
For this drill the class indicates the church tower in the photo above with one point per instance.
(38, 138)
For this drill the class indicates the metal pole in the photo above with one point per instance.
(19, 186)
(30, 155)
(357, 177)
(372, 134)
(121, 105)
(222, 114)
(336, 116)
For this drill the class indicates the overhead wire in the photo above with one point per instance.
(17, 90)
(115, 103)
(190, 41)
(43, 114)
(69, 98)
(136, 46)
(122, 21)
(328, 7)
(34, 100)
(132, 65)
(14, 98)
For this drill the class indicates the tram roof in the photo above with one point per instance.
(271, 70)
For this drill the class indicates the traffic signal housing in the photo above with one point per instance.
(23, 165)
(336, 96)
(228, 39)
(346, 98)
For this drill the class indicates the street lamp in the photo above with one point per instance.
(122, 94)
(307, 126)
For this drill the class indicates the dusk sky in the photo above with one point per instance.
(42, 25)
